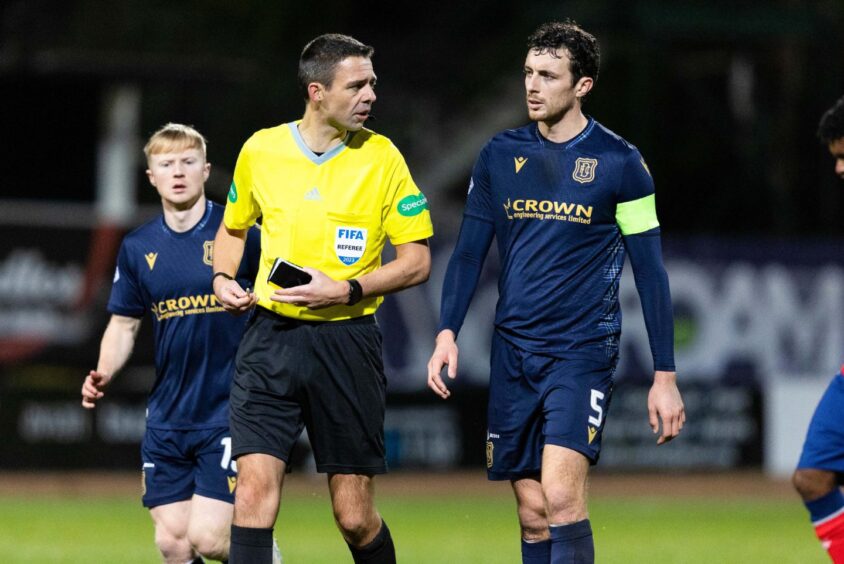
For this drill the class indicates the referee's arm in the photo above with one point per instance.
(228, 252)
(411, 267)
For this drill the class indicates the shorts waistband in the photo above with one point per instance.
(292, 322)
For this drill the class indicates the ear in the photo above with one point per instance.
(206, 171)
(583, 86)
(315, 92)
(150, 177)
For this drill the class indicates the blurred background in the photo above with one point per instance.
(722, 98)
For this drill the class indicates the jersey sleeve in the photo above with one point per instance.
(464, 271)
(636, 208)
(241, 208)
(479, 198)
(645, 251)
(126, 295)
(406, 215)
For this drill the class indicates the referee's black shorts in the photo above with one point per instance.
(325, 376)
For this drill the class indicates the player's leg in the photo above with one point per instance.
(265, 422)
(564, 474)
(168, 488)
(344, 414)
(821, 465)
(209, 526)
(363, 529)
(215, 477)
(533, 520)
(514, 442)
(171, 531)
(575, 406)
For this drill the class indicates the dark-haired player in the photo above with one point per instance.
(164, 268)
(820, 471)
(331, 193)
(564, 197)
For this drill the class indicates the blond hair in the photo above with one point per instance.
(175, 137)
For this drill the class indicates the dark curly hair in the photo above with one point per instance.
(831, 126)
(581, 45)
(320, 57)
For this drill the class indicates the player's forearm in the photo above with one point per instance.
(655, 295)
(411, 267)
(117, 344)
(228, 249)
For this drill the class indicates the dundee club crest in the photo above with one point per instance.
(584, 170)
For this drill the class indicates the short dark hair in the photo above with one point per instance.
(831, 126)
(320, 57)
(581, 45)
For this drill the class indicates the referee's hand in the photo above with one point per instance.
(445, 352)
(232, 297)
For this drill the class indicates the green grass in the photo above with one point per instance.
(450, 529)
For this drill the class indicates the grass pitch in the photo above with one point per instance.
(442, 523)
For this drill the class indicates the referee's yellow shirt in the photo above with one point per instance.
(332, 212)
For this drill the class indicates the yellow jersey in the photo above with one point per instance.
(333, 212)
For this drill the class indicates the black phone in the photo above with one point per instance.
(287, 275)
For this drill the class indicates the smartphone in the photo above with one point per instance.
(285, 274)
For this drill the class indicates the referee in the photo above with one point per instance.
(330, 193)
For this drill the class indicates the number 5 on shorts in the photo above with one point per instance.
(597, 396)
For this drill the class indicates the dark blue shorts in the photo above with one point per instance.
(824, 446)
(536, 400)
(179, 464)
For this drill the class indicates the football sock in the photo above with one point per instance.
(538, 552)
(827, 515)
(380, 551)
(251, 545)
(572, 544)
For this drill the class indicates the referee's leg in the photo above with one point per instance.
(363, 529)
(256, 503)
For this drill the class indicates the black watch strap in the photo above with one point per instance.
(223, 274)
(355, 292)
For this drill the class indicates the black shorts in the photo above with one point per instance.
(327, 377)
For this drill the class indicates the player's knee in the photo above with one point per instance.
(172, 546)
(533, 522)
(812, 484)
(213, 544)
(565, 505)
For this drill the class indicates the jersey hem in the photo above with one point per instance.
(223, 424)
(417, 236)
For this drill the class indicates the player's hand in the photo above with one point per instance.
(92, 388)
(232, 297)
(319, 293)
(445, 353)
(665, 403)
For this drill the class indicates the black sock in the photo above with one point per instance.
(572, 543)
(251, 546)
(380, 551)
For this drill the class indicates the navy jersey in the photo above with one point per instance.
(168, 274)
(559, 211)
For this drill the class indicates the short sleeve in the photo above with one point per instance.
(241, 208)
(636, 208)
(126, 295)
(407, 217)
(479, 197)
